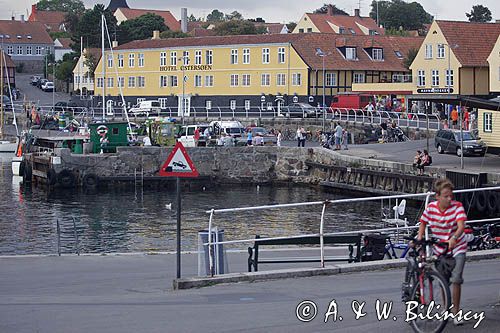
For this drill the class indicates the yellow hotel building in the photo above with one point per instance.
(248, 71)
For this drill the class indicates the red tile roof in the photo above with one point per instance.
(306, 44)
(347, 22)
(272, 28)
(24, 29)
(8, 60)
(95, 52)
(474, 40)
(170, 21)
(200, 32)
(66, 42)
(51, 19)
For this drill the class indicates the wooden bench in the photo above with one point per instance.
(351, 240)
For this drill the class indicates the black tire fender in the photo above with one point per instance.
(481, 201)
(90, 181)
(492, 202)
(28, 173)
(66, 178)
(51, 177)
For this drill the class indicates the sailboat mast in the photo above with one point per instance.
(1, 92)
(103, 62)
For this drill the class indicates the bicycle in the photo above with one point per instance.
(426, 287)
(485, 237)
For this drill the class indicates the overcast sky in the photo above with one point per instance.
(271, 11)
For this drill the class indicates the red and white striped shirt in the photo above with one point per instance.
(444, 224)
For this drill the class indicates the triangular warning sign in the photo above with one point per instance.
(179, 164)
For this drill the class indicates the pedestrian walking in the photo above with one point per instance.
(338, 136)
(345, 136)
(279, 137)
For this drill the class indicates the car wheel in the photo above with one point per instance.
(440, 149)
(459, 152)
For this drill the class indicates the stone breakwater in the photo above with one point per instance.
(242, 165)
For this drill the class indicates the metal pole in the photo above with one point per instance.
(323, 106)
(53, 88)
(427, 135)
(179, 227)
(448, 83)
(103, 62)
(460, 115)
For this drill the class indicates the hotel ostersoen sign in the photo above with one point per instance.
(186, 68)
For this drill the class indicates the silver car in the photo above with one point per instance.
(300, 110)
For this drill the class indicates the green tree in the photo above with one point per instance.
(238, 27)
(71, 21)
(192, 18)
(68, 6)
(479, 13)
(291, 26)
(215, 16)
(234, 16)
(398, 14)
(324, 9)
(64, 71)
(89, 27)
(91, 63)
(410, 56)
(173, 34)
(396, 32)
(59, 34)
(141, 27)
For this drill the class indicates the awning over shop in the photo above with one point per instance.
(469, 101)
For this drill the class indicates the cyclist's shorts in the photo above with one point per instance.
(457, 272)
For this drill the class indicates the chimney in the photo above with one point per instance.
(184, 20)
(22, 18)
(329, 10)
(497, 21)
(356, 12)
(156, 35)
(13, 18)
(114, 44)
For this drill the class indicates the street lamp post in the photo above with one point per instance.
(185, 62)
(460, 115)
(322, 54)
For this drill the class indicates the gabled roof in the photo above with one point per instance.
(272, 28)
(474, 40)
(200, 32)
(170, 21)
(95, 52)
(321, 21)
(306, 45)
(51, 19)
(19, 32)
(329, 44)
(65, 42)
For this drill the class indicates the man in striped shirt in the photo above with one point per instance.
(446, 220)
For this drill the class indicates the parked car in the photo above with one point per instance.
(300, 110)
(48, 86)
(41, 82)
(7, 105)
(35, 79)
(450, 141)
(145, 108)
(350, 101)
(268, 139)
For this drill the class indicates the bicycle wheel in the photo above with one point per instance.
(433, 299)
(409, 280)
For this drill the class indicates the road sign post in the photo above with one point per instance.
(179, 165)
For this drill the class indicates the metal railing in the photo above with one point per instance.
(59, 232)
(324, 205)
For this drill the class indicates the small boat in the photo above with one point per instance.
(16, 165)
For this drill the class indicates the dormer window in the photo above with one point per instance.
(19, 36)
(341, 30)
(350, 53)
(398, 54)
(352, 31)
(373, 32)
(28, 36)
(377, 54)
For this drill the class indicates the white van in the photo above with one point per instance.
(232, 128)
(145, 108)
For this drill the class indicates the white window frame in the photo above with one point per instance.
(100, 82)
(441, 51)
(296, 79)
(198, 57)
(198, 81)
(247, 105)
(232, 104)
(209, 80)
(331, 79)
(449, 78)
(131, 81)
(163, 81)
(265, 55)
(246, 56)
(234, 82)
(358, 78)
(140, 59)
(110, 61)
(131, 60)
(350, 53)
(19, 50)
(265, 80)
(120, 60)
(428, 51)
(163, 58)
(141, 81)
(421, 78)
(377, 54)
(488, 122)
(173, 81)
(209, 57)
(281, 79)
(208, 104)
(435, 78)
(173, 58)
(185, 58)
(29, 50)
(120, 82)
(234, 57)
(281, 55)
(245, 80)
(110, 82)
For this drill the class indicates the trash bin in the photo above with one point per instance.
(374, 247)
(218, 253)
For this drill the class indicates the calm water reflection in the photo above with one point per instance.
(126, 221)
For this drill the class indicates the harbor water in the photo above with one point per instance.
(138, 220)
